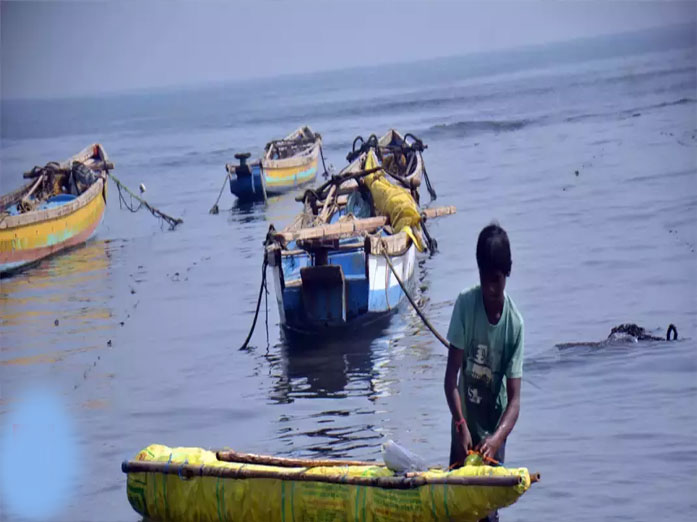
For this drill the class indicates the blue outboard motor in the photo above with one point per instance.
(246, 180)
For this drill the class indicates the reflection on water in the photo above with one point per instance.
(43, 308)
(174, 375)
(247, 212)
(322, 369)
(317, 367)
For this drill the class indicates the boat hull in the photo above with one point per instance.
(354, 287)
(249, 187)
(272, 182)
(282, 179)
(192, 484)
(30, 237)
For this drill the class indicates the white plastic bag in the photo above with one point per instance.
(399, 459)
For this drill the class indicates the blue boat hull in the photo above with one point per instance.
(353, 287)
(257, 187)
(249, 187)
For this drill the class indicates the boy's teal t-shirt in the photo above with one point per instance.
(491, 352)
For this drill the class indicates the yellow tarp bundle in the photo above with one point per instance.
(160, 496)
(395, 202)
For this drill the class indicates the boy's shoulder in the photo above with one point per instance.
(513, 311)
(469, 296)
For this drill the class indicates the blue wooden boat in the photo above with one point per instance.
(287, 164)
(330, 266)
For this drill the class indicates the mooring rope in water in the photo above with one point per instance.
(171, 221)
(425, 320)
(431, 241)
(214, 209)
(262, 288)
(431, 190)
(124, 203)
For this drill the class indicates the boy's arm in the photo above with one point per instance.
(452, 394)
(455, 356)
(491, 444)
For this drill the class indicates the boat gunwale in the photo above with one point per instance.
(306, 157)
(383, 142)
(39, 216)
(14, 196)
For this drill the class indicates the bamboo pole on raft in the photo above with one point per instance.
(187, 471)
(252, 458)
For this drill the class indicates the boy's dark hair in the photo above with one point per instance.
(494, 250)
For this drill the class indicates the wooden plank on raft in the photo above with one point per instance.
(337, 230)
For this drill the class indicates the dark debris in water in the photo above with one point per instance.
(628, 333)
(687, 244)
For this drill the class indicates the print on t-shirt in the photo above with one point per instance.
(480, 375)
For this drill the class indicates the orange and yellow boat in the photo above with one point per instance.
(60, 207)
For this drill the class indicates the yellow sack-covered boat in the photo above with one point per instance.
(194, 484)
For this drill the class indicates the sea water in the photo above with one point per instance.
(585, 152)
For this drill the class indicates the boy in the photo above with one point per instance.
(486, 338)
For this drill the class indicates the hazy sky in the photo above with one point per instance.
(54, 49)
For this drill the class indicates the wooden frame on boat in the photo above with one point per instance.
(329, 265)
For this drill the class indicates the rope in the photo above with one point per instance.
(124, 203)
(425, 320)
(256, 313)
(266, 307)
(431, 190)
(171, 221)
(214, 209)
(432, 243)
(326, 172)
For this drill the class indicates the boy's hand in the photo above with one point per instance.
(465, 439)
(490, 446)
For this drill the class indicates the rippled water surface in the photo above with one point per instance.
(588, 161)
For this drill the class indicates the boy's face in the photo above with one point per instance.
(493, 283)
